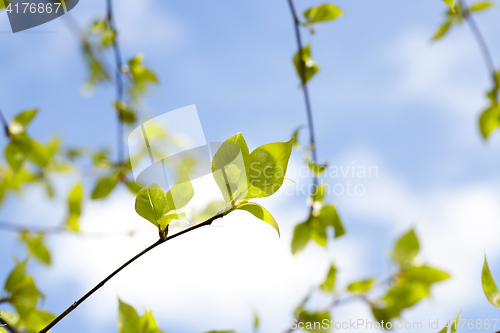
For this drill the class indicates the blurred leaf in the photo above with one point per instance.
(21, 121)
(74, 207)
(310, 66)
(133, 187)
(406, 249)
(318, 231)
(128, 319)
(322, 13)
(489, 120)
(37, 319)
(453, 328)
(259, 212)
(142, 77)
(266, 167)
(425, 274)
(212, 209)
(125, 112)
(450, 3)
(104, 32)
(310, 318)
(479, 6)
(442, 30)
(328, 217)
(295, 138)
(405, 294)
(329, 284)
(104, 186)
(101, 159)
(361, 286)
(36, 247)
(489, 285)
(14, 155)
(22, 290)
(318, 169)
(301, 236)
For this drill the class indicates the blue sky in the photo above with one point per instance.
(385, 96)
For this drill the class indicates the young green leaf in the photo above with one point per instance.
(329, 284)
(128, 319)
(318, 169)
(328, 217)
(451, 4)
(151, 203)
(14, 155)
(360, 287)
(406, 249)
(322, 13)
(21, 121)
(310, 66)
(489, 285)
(453, 328)
(125, 112)
(36, 247)
(301, 236)
(74, 207)
(489, 120)
(104, 186)
(425, 274)
(266, 167)
(259, 212)
(180, 194)
(295, 138)
(479, 6)
(229, 168)
(442, 30)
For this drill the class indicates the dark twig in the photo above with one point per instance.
(8, 326)
(97, 287)
(302, 67)
(5, 124)
(119, 81)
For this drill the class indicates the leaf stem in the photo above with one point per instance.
(305, 89)
(98, 286)
(5, 124)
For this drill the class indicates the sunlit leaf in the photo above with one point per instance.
(128, 319)
(479, 6)
(104, 186)
(151, 203)
(310, 66)
(36, 247)
(442, 30)
(301, 236)
(361, 286)
(74, 207)
(125, 112)
(489, 285)
(259, 212)
(406, 249)
(489, 120)
(329, 284)
(322, 13)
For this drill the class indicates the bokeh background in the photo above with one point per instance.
(386, 96)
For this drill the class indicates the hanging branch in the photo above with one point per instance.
(119, 79)
(305, 89)
(5, 124)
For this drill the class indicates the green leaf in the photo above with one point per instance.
(151, 203)
(406, 249)
(301, 236)
(128, 319)
(229, 168)
(74, 207)
(147, 323)
(328, 217)
(32, 150)
(322, 13)
(442, 30)
(14, 155)
(360, 287)
(125, 112)
(261, 213)
(180, 194)
(318, 231)
(37, 319)
(329, 284)
(489, 285)
(405, 294)
(454, 325)
(309, 318)
(295, 138)
(255, 322)
(318, 169)
(16, 277)
(36, 247)
(489, 120)
(21, 121)
(479, 6)
(425, 274)
(104, 186)
(445, 329)
(134, 187)
(451, 4)
(311, 67)
(266, 167)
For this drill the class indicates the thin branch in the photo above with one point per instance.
(97, 287)
(119, 81)
(5, 124)
(8, 326)
(478, 36)
(305, 90)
